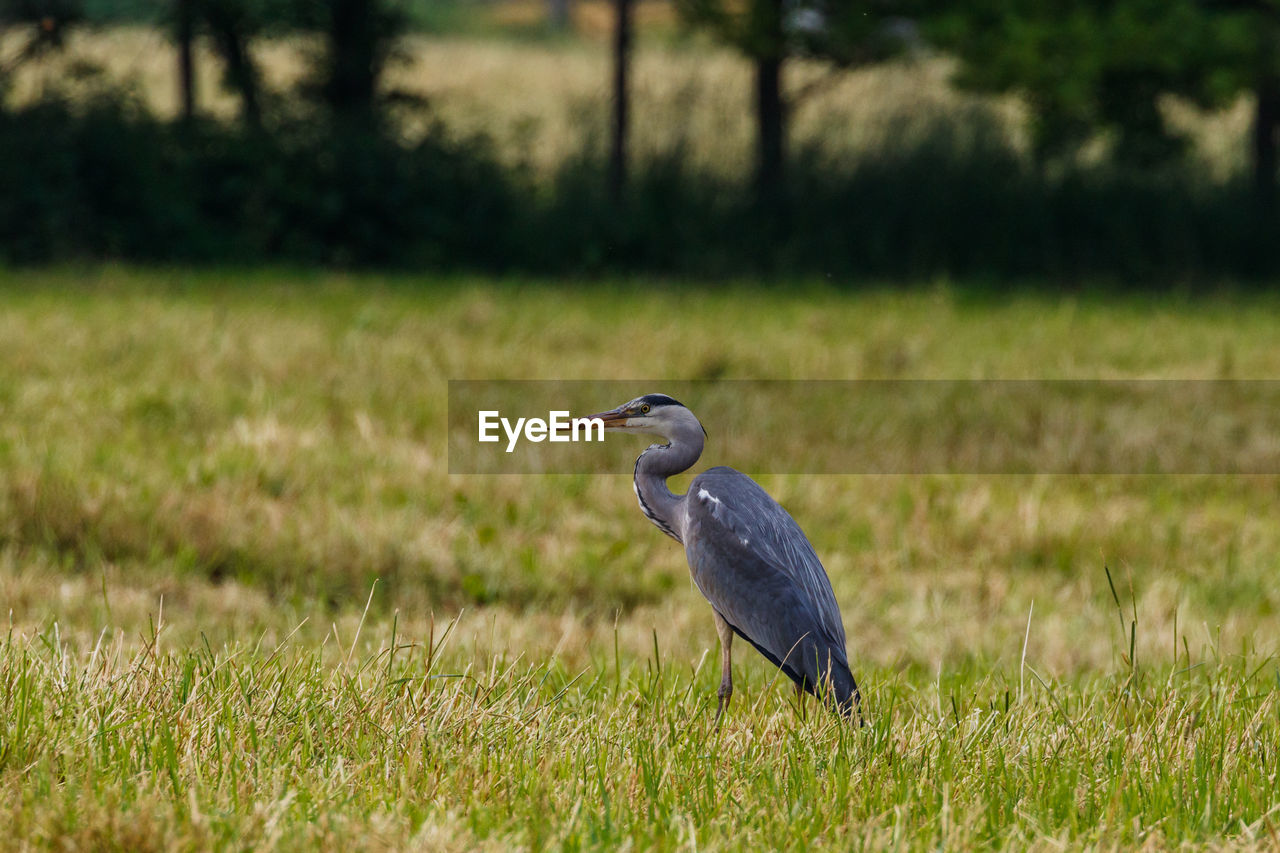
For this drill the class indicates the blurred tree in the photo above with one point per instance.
(1252, 31)
(358, 41)
(231, 25)
(360, 37)
(844, 33)
(43, 23)
(1266, 121)
(1106, 65)
(621, 98)
(558, 15)
(184, 35)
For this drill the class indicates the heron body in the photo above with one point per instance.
(747, 556)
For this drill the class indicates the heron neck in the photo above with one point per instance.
(659, 504)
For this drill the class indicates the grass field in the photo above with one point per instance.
(248, 606)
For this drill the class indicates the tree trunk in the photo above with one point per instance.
(354, 61)
(241, 73)
(772, 126)
(1266, 118)
(771, 109)
(186, 61)
(1266, 129)
(244, 76)
(621, 99)
(558, 15)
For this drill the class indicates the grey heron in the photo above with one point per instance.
(747, 555)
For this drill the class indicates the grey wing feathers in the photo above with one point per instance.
(753, 563)
(763, 526)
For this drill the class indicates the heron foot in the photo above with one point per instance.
(723, 694)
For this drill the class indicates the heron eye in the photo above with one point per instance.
(644, 410)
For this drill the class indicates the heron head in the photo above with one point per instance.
(655, 414)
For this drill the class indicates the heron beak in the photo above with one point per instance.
(613, 419)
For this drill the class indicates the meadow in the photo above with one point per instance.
(249, 607)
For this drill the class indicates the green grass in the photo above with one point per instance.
(248, 606)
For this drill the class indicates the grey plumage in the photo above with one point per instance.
(747, 555)
(750, 559)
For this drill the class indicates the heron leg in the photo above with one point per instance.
(726, 665)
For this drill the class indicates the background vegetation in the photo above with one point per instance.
(466, 135)
(230, 553)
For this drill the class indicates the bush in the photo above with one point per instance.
(110, 181)
(944, 204)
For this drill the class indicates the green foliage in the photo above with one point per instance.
(112, 182)
(953, 201)
(94, 176)
(442, 16)
(48, 13)
(1102, 67)
(422, 15)
(124, 11)
(844, 33)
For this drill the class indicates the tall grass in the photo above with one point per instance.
(394, 741)
(231, 554)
